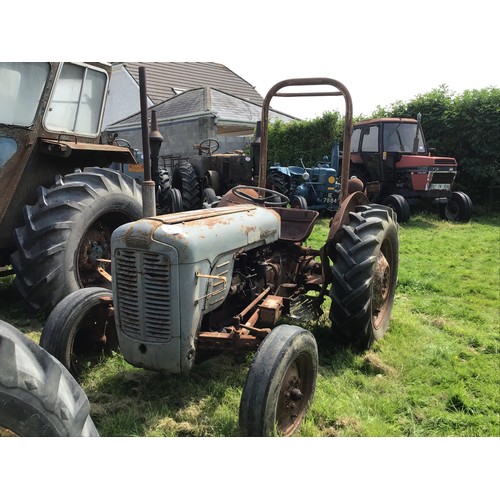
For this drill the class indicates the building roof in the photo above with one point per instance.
(205, 100)
(166, 79)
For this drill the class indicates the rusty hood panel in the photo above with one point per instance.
(202, 234)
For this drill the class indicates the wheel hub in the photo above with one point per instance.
(292, 401)
(94, 247)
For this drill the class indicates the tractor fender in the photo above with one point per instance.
(342, 214)
(283, 170)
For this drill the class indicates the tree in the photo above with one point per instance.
(308, 140)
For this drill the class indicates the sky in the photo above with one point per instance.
(382, 51)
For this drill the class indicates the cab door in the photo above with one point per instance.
(370, 151)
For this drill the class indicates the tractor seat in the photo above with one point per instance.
(296, 224)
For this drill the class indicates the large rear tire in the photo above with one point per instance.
(80, 330)
(364, 276)
(38, 396)
(280, 383)
(68, 230)
(277, 181)
(185, 179)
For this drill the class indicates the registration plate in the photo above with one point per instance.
(440, 186)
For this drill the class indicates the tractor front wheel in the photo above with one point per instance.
(173, 201)
(280, 383)
(458, 208)
(399, 204)
(299, 202)
(364, 275)
(209, 197)
(81, 329)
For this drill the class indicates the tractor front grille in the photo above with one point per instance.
(443, 177)
(142, 284)
(445, 161)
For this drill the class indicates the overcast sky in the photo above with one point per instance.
(383, 51)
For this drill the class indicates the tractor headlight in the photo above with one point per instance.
(305, 176)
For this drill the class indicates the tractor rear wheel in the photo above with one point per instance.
(280, 383)
(80, 330)
(67, 233)
(164, 186)
(364, 277)
(277, 181)
(38, 396)
(458, 208)
(399, 204)
(185, 179)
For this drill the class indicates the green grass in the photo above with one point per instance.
(435, 373)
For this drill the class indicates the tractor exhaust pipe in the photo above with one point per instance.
(148, 185)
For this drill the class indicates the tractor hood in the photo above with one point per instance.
(203, 234)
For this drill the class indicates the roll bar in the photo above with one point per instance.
(341, 90)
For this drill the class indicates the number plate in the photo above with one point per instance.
(440, 186)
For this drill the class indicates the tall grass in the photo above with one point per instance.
(435, 373)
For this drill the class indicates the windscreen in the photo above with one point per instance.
(21, 87)
(401, 137)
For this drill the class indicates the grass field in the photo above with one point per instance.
(435, 373)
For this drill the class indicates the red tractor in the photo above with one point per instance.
(392, 152)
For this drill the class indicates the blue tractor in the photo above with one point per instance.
(316, 188)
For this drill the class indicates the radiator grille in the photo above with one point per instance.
(443, 177)
(143, 289)
(444, 161)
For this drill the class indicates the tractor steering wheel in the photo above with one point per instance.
(268, 199)
(209, 146)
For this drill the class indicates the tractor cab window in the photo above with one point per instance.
(356, 134)
(369, 139)
(400, 137)
(76, 103)
(21, 87)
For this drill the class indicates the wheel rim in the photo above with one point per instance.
(452, 210)
(295, 393)
(95, 336)
(95, 251)
(382, 287)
